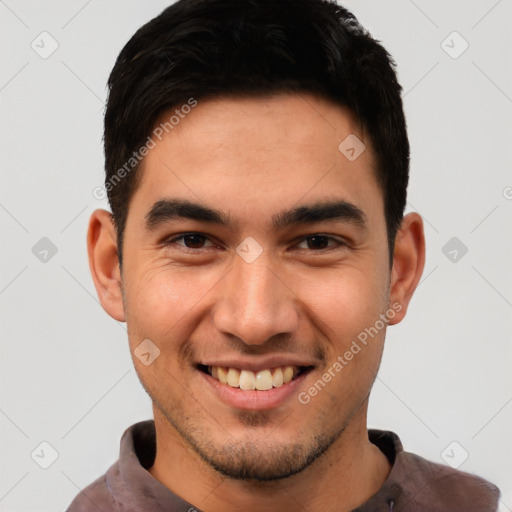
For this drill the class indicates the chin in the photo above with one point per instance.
(260, 459)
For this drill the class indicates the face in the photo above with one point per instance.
(253, 243)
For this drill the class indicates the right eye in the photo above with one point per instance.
(192, 242)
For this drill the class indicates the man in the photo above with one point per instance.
(257, 165)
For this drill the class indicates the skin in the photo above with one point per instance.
(252, 158)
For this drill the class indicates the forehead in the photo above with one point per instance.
(253, 156)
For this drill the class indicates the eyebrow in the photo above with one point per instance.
(166, 210)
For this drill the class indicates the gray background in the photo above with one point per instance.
(66, 373)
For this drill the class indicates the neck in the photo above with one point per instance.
(347, 474)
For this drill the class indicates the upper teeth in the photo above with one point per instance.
(247, 379)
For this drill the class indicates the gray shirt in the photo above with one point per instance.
(413, 485)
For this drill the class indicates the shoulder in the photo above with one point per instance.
(420, 485)
(441, 488)
(96, 496)
(127, 480)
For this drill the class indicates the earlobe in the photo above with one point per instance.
(408, 263)
(104, 263)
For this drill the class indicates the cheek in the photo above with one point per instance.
(157, 299)
(163, 305)
(160, 301)
(348, 303)
(347, 300)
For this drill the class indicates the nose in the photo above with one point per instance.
(255, 303)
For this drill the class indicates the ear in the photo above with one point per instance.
(104, 263)
(408, 263)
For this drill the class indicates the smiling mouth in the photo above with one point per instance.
(262, 380)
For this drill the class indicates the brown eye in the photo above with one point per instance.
(319, 242)
(194, 241)
(191, 241)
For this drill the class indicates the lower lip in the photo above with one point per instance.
(254, 399)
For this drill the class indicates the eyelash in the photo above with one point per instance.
(173, 241)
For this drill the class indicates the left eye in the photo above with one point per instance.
(319, 242)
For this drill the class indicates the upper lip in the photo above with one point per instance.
(258, 364)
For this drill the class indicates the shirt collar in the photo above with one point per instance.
(131, 484)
